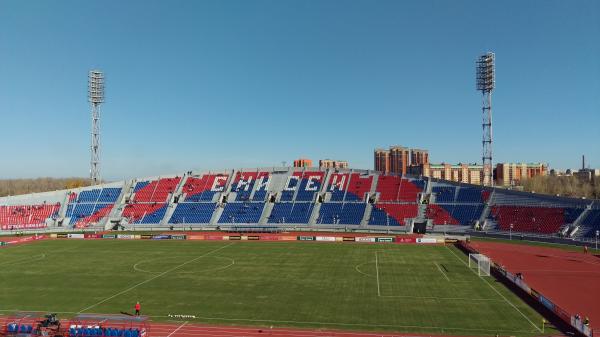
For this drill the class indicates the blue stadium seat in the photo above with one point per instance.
(242, 212)
(444, 194)
(193, 213)
(288, 212)
(341, 213)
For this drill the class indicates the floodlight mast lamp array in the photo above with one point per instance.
(95, 97)
(486, 81)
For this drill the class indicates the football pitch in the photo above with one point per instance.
(385, 287)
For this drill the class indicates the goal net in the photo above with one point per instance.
(481, 262)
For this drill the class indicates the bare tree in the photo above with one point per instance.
(25, 186)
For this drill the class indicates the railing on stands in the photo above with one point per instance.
(572, 320)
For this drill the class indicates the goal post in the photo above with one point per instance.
(481, 262)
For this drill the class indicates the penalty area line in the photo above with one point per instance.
(441, 271)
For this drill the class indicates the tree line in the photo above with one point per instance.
(26, 186)
(566, 186)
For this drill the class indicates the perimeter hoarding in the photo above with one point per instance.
(403, 239)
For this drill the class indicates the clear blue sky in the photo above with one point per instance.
(223, 84)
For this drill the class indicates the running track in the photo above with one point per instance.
(569, 279)
(185, 329)
(195, 330)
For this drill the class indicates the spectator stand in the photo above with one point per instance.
(95, 325)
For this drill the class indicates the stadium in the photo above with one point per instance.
(259, 247)
(192, 231)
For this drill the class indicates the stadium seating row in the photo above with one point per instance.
(341, 213)
(27, 216)
(591, 223)
(240, 197)
(106, 332)
(91, 206)
(155, 190)
(14, 328)
(289, 212)
(529, 219)
(390, 214)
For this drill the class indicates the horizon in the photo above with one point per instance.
(207, 86)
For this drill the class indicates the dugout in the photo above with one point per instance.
(94, 325)
(31, 323)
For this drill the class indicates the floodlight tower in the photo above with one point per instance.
(96, 97)
(486, 80)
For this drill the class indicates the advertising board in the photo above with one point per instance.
(403, 239)
(364, 239)
(384, 239)
(325, 238)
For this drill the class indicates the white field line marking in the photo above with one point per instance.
(154, 277)
(377, 272)
(230, 260)
(34, 257)
(25, 259)
(361, 272)
(441, 271)
(178, 328)
(445, 298)
(496, 290)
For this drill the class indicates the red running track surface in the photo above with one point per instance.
(185, 329)
(197, 330)
(570, 279)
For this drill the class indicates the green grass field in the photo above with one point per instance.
(404, 288)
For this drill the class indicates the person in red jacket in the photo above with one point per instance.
(138, 307)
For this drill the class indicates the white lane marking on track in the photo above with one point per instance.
(496, 290)
(154, 277)
(441, 271)
(178, 328)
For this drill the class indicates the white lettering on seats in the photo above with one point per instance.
(218, 184)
